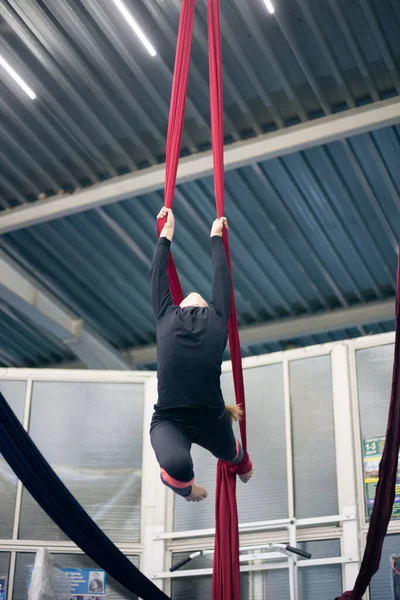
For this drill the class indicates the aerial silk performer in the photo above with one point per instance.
(191, 340)
(386, 488)
(192, 334)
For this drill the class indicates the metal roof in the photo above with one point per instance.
(311, 231)
(102, 103)
(24, 344)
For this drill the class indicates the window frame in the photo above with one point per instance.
(31, 376)
(158, 541)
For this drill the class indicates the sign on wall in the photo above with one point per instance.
(372, 455)
(87, 584)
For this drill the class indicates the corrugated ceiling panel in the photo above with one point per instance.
(310, 232)
(24, 344)
(102, 101)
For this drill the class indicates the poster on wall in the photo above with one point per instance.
(87, 584)
(2, 588)
(372, 455)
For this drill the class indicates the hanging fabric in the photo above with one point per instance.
(386, 488)
(175, 124)
(50, 493)
(226, 572)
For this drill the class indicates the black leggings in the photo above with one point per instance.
(172, 434)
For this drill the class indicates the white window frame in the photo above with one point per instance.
(31, 376)
(158, 541)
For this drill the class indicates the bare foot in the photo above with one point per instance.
(198, 494)
(247, 476)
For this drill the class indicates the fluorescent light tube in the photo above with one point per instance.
(17, 78)
(135, 26)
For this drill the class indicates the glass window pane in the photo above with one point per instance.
(195, 588)
(269, 584)
(25, 562)
(313, 437)
(374, 379)
(4, 566)
(265, 422)
(14, 392)
(199, 588)
(327, 577)
(382, 584)
(314, 579)
(266, 441)
(91, 433)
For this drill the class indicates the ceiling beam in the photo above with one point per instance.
(22, 292)
(284, 329)
(290, 329)
(278, 143)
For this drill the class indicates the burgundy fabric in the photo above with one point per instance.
(386, 488)
(175, 124)
(243, 467)
(226, 573)
(217, 127)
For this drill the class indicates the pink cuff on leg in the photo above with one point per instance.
(244, 467)
(174, 482)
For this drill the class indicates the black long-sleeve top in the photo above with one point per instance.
(190, 341)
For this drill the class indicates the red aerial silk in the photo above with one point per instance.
(385, 491)
(175, 124)
(226, 584)
(226, 573)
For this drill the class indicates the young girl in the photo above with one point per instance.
(191, 339)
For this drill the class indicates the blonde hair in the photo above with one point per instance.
(235, 412)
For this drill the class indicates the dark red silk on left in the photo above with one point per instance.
(175, 124)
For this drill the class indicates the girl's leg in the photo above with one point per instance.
(172, 450)
(216, 435)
